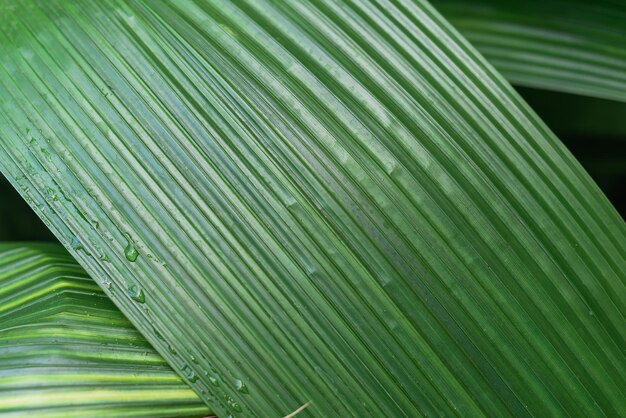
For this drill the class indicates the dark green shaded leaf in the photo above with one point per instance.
(571, 46)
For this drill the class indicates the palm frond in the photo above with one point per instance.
(333, 205)
(571, 46)
(67, 351)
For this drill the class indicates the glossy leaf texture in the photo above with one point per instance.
(571, 46)
(332, 207)
(67, 351)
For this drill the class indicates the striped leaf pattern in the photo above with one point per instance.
(67, 351)
(331, 207)
(572, 46)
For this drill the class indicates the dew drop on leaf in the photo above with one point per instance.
(157, 333)
(189, 373)
(131, 252)
(136, 293)
(241, 386)
(76, 244)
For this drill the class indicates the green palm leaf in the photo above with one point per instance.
(67, 351)
(572, 46)
(335, 208)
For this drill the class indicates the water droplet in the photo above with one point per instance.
(136, 293)
(214, 381)
(231, 402)
(241, 386)
(76, 244)
(158, 334)
(189, 373)
(52, 194)
(107, 283)
(46, 154)
(194, 359)
(131, 252)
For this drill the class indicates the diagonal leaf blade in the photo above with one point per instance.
(334, 205)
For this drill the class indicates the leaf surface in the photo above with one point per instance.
(67, 351)
(571, 46)
(337, 208)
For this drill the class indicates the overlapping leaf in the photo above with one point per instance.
(67, 351)
(332, 206)
(573, 46)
